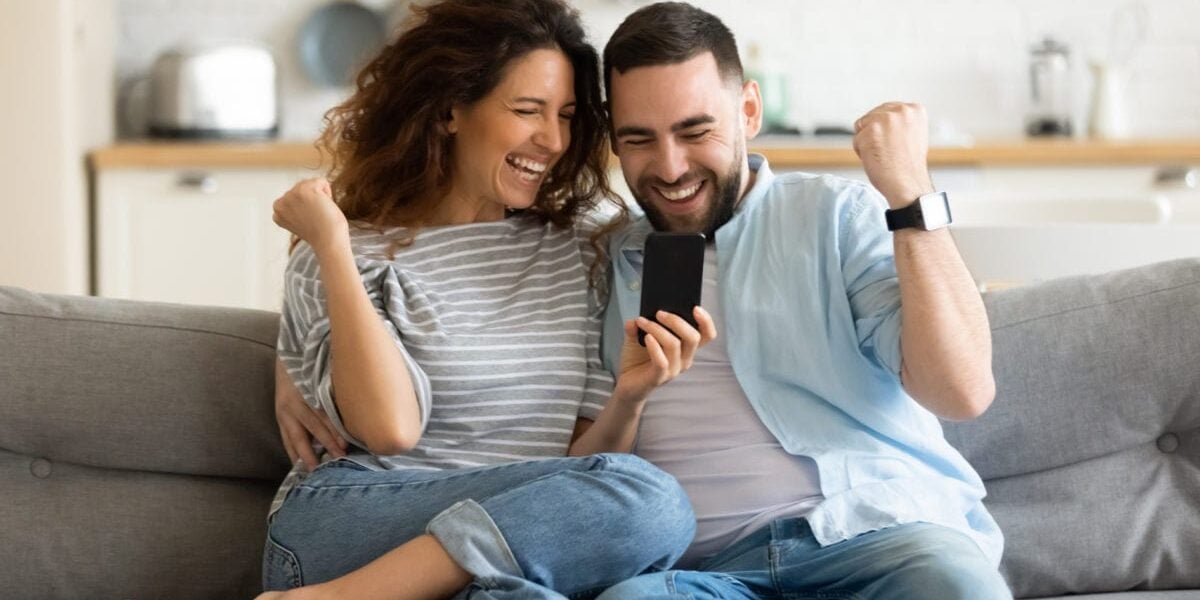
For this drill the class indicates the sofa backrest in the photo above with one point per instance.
(1091, 450)
(138, 450)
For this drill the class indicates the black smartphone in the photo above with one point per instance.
(672, 276)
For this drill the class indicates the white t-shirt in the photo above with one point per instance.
(701, 429)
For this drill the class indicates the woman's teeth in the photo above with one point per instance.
(526, 169)
(681, 194)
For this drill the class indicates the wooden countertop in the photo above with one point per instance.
(782, 152)
(168, 154)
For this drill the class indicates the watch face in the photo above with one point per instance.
(935, 211)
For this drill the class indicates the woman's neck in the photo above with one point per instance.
(462, 209)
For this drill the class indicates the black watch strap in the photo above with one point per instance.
(928, 212)
(902, 218)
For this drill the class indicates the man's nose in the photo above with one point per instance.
(671, 162)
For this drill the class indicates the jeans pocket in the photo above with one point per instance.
(345, 463)
(281, 570)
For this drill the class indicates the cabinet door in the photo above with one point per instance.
(191, 236)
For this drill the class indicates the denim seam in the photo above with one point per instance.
(773, 562)
(296, 576)
(672, 590)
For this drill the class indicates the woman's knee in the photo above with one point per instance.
(657, 509)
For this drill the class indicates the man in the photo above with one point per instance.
(806, 434)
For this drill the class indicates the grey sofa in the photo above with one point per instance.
(138, 450)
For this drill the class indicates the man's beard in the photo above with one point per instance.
(719, 212)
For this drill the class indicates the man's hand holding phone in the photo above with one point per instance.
(670, 348)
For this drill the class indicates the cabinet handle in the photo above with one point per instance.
(202, 182)
(1177, 177)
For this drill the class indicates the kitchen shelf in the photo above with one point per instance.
(251, 155)
(782, 152)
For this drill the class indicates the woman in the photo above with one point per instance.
(458, 347)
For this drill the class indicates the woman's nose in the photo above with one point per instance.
(552, 136)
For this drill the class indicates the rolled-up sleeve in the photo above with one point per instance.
(869, 270)
(304, 334)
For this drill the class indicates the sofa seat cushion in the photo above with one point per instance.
(1091, 450)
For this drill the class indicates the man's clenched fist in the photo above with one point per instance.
(892, 141)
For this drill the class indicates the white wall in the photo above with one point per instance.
(55, 62)
(966, 59)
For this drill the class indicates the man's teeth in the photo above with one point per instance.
(527, 164)
(681, 194)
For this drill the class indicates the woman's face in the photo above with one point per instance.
(507, 142)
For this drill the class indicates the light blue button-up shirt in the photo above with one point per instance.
(811, 306)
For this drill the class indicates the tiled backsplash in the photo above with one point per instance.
(967, 60)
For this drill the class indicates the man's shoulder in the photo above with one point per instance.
(816, 185)
(822, 193)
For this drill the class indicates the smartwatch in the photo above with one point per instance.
(929, 212)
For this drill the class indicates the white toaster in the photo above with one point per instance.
(215, 91)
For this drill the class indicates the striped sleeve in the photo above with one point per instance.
(599, 386)
(304, 333)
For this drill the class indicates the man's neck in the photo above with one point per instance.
(749, 176)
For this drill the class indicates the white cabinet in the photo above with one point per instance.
(192, 236)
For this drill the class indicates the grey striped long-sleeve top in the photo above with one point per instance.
(497, 325)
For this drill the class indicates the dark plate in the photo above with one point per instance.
(337, 40)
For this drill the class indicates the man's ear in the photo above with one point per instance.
(751, 108)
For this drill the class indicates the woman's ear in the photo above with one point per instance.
(451, 124)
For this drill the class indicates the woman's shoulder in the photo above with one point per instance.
(302, 261)
(368, 248)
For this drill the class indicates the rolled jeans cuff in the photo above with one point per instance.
(473, 540)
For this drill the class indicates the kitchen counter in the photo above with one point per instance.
(781, 151)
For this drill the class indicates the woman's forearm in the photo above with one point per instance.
(615, 429)
(374, 392)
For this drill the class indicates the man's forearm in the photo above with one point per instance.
(945, 340)
(374, 393)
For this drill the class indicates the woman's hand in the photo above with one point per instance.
(308, 210)
(299, 423)
(671, 346)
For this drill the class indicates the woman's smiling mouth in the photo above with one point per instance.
(526, 168)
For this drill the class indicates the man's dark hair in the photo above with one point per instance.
(667, 33)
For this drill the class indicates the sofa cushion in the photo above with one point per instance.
(138, 385)
(1091, 451)
(138, 448)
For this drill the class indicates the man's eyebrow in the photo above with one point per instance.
(691, 122)
(640, 131)
(685, 124)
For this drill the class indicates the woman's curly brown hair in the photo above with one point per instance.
(390, 150)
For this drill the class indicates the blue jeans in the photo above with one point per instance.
(536, 529)
(783, 560)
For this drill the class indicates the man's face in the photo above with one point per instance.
(680, 132)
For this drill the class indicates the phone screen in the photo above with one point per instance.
(672, 276)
